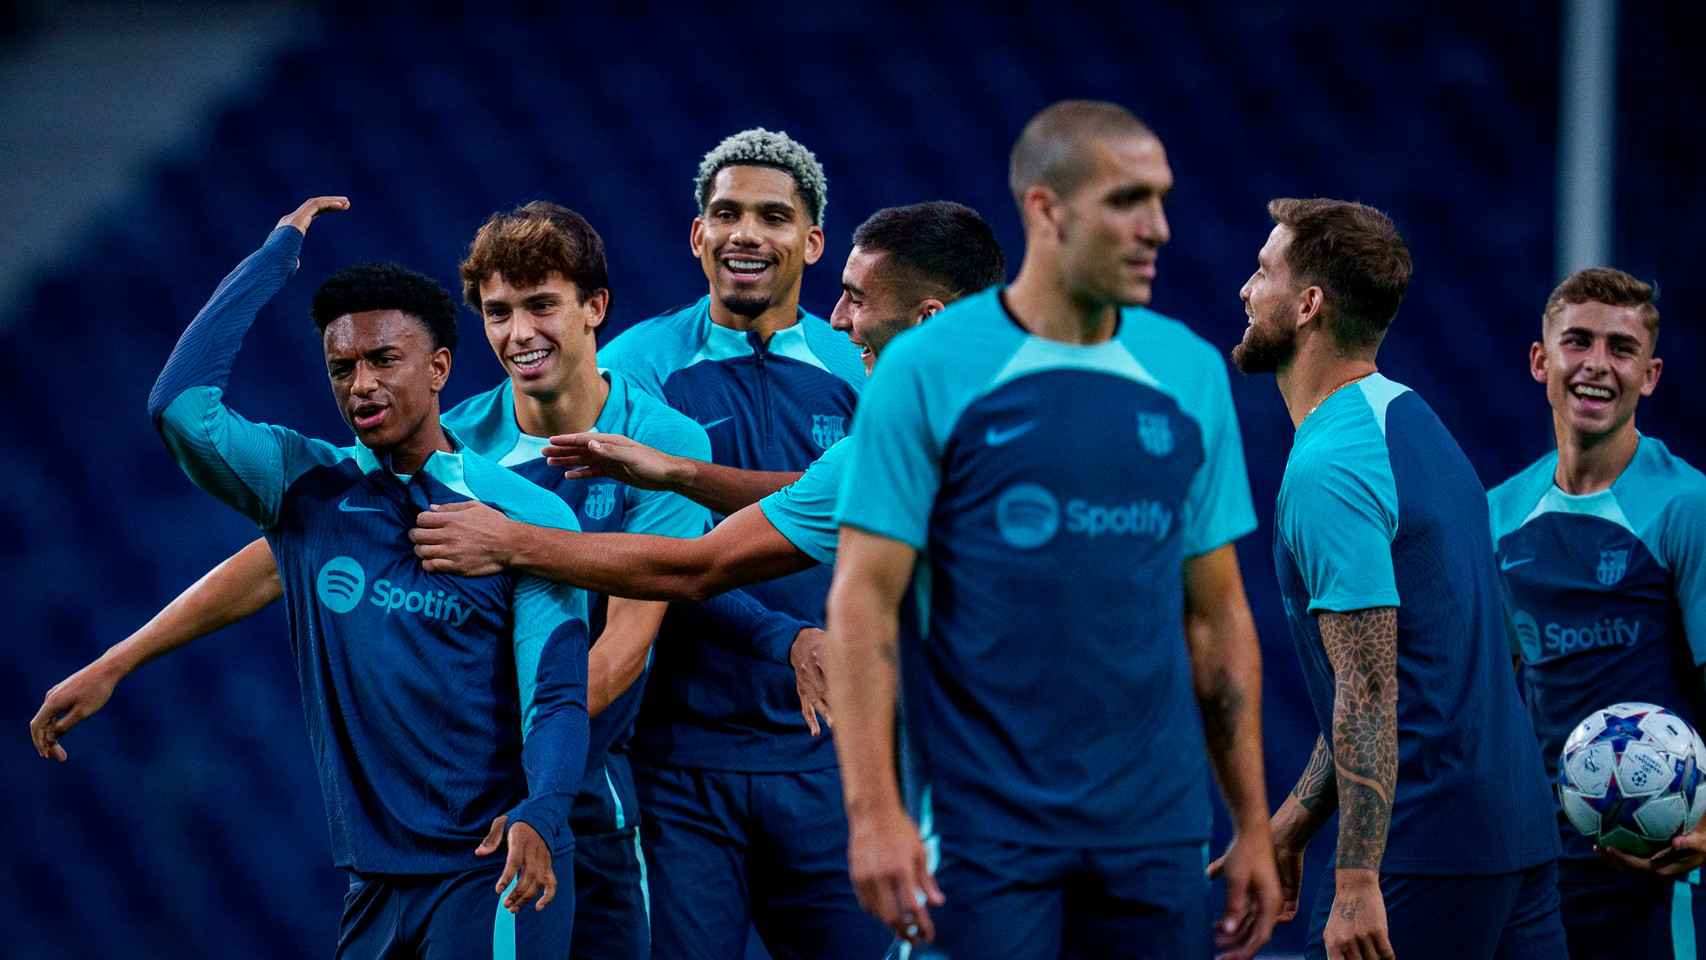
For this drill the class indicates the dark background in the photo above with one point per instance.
(189, 823)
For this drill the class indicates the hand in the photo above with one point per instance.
(528, 864)
(304, 215)
(69, 703)
(1685, 853)
(886, 860)
(1253, 891)
(806, 656)
(1356, 928)
(468, 539)
(612, 455)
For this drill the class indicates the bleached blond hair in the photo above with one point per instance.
(759, 147)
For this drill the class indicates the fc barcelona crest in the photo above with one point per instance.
(1155, 432)
(1613, 564)
(827, 429)
(600, 500)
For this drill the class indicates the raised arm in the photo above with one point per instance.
(230, 592)
(1362, 647)
(247, 465)
(722, 488)
(1226, 668)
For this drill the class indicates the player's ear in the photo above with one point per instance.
(1650, 378)
(814, 243)
(597, 304)
(929, 308)
(1537, 361)
(696, 237)
(440, 363)
(1309, 307)
(1040, 204)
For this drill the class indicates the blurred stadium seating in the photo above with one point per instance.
(188, 822)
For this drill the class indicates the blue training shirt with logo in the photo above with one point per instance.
(606, 800)
(773, 405)
(434, 703)
(1053, 492)
(1606, 594)
(1380, 508)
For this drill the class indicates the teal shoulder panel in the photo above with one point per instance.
(486, 421)
(649, 351)
(1512, 503)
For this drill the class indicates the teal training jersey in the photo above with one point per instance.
(1606, 594)
(804, 511)
(434, 703)
(1380, 508)
(1054, 492)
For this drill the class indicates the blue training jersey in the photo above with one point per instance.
(766, 406)
(1380, 508)
(434, 703)
(804, 511)
(1053, 492)
(606, 800)
(1606, 594)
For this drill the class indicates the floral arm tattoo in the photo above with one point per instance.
(1363, 649)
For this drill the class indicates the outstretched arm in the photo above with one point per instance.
(473, 540)
(722, 488)
(230, 592)
(1226, 667)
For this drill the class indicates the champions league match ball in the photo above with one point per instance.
(1630, 777)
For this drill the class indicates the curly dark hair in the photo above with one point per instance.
(387, 286)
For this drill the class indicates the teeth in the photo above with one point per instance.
(747, 264)
(529, 358)
(1594, 393)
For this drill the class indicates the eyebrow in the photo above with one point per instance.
(852, 288)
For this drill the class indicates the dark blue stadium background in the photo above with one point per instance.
(188, 822)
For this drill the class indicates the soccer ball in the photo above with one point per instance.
(1630, 777)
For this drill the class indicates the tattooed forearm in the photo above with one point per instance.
(1317, 789)
(1221, 703)
(889, 652)
(1363, 649)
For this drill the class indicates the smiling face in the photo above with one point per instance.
(1597, 363)
(755, 239)
(1271, 301)
(1112, 226)
(875, 304)
(542, 333)
(386, 375)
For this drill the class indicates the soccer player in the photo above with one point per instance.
(1040, 463)
(907, 263)
(1445, 846)
(494, 668)
(538, 277)
(1602, 547)
(742, 823)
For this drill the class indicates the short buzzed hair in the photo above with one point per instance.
(1606, 285)
(1051, 149)
(759, 147)
(944, 246)
(1354, 254)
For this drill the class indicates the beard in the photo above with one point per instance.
(746, 304)
(1266, 348)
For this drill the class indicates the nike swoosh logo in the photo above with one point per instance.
(1508, 564)
(996, 438)
(348, 507)
(716, 422)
